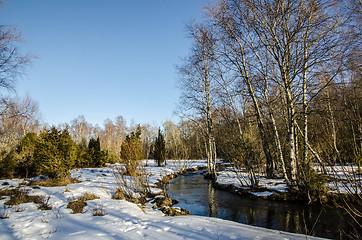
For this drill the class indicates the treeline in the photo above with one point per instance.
(52, 153)
(32, 149)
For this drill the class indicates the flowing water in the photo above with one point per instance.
(197, 195)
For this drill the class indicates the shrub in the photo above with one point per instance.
(77, 205)
(55, 153)
(133, 184)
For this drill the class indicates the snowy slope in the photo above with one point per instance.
(122, 220)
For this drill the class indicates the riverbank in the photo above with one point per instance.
(201, 197)
(337, 190)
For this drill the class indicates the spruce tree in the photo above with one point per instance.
(96, 156)
(160, 149)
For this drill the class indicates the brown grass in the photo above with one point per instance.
(44, 204)
(89, 196)
(19, 196)
(54, 182)
(77, 205)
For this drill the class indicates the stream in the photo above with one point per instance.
(197, 195)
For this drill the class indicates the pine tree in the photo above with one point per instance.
(97, 157)
(160, 149)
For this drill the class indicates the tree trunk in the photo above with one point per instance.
(279, 146)
(291, 137)
(266, 149)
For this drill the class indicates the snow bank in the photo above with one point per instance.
(229, 177)
(122, 219)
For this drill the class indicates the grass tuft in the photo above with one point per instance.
(44, 203)
(77, 205)
(98, 210)
(19, 196)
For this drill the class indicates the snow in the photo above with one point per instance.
(122, 219)
(228, 176)
(341, 184)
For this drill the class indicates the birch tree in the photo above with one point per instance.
(298, 37)
(199, 89)
(238, 53)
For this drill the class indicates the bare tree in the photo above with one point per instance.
(18, 117)
(238, 53)
(282, 41)
(199, 87)
(80, 129)
(12, 63)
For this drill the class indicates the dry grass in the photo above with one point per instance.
(54, 182)
(19, 196)
(142, 208)
(44, 203)
(98, 210)
(78, 205)
(89, 196)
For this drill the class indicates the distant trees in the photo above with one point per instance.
(18, 117)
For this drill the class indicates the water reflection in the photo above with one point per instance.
(197, 195)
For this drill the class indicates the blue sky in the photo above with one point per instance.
(102, 59)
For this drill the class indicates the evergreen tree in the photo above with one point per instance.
(94, 144)
(160, 149)
(83, 159)
(131, 150)
(25, 155)
(97, 157)
(55, 153)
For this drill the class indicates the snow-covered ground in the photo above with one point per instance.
(342, 183)
(122, 219)
(230, 177)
